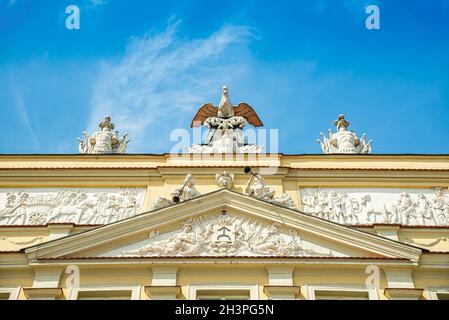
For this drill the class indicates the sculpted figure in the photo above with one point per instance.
(310, 202)
(256, 188)
(344, 141)
(324, 205)
(424, 210)
(407, 209)
(350, 208)
(182, 243)
(226, 235)
(373, 213)
(189, 191)
(271, 242)
(104, 141)
(225, 123)
(185, 192)
(440, 205)
(224, 180)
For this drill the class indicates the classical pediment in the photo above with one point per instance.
(223, 224)
(225, 234)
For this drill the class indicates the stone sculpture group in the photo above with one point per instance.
(226, 235)
(344, 141)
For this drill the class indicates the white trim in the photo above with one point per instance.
(433, 292)
(253, 289)
(13, 292)
(134, 290)
(310, 289)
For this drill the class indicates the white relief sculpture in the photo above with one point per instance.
(104, 141)
(227, 235)
(70, 206)
(344, 141)
(428, 244)
(224, 180)
(182, 243)
(185, 192)
(374, 213)
(440, 206)
(393, 208)
(33, 240)
(225, 124)
(257, 188)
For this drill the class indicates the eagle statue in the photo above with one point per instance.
(226, 110)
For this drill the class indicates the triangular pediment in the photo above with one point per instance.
(223, 224)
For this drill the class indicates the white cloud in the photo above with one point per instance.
(162, 79)
(21, 109)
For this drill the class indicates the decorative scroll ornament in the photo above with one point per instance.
(33, 240)
(105, 141)
(225, 124)
(186, 192)
(257, 188)
(344, 141)
(224, 180)
(226, 235)
(407, 209)
(428, 244)
(70, 206)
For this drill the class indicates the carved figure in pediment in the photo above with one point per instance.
(271, 243)
(226, 235)
(182, 243)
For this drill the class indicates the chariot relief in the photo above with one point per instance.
(70, 206)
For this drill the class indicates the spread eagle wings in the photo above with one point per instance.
(243, 110)
(246, 111)
(207, 110)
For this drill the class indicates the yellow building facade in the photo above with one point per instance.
(222, 242)
(224, 220)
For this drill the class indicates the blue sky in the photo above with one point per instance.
(152, 64)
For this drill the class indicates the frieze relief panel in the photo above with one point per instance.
(422, 207)
(78, 206)
(224, 235)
